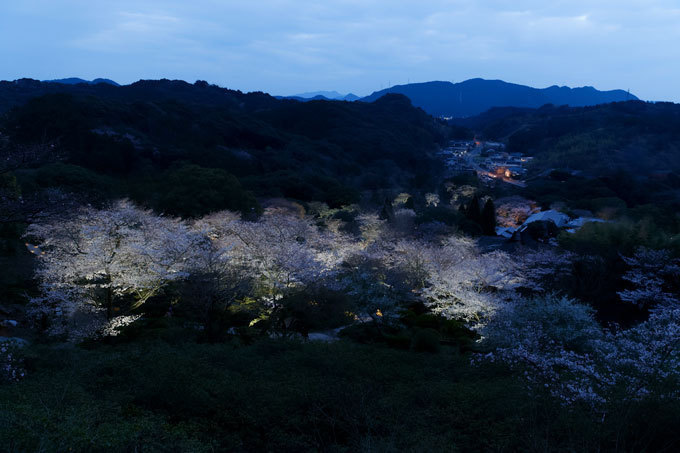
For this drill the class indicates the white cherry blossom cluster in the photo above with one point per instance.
(654, 279)
(11, 368)
(559, 346)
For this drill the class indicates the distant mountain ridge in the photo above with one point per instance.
(77, 80)
(474, 96)
(445, 99)
(322, 96)
(18, 92)
(326, 94)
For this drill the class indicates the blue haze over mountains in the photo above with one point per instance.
(323, 96)
(457, 100)
(474, 96)
(77, 80)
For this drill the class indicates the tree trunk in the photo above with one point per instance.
(109, 303)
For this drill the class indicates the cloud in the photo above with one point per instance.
(287, 46)
(131, 29)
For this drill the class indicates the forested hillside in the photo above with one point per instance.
(618, 156)
(191, 268)
(170, 144)
(632, 136)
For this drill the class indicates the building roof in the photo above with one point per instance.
(505, 232)
(557, 217)
(579, 222)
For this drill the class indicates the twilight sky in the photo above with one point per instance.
(291, 46)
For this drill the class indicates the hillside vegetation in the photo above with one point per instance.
(616, 156)
(170, 144)
(188, 268)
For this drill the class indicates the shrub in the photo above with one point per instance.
(365, 333)
(399, 340)
(11, 366)
(426, 340)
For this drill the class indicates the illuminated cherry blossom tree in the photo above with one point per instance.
(279, 255)
(654, 277)
(96, 262)
(281, 251)
(558, 346)
(544, 269)
(464, 283)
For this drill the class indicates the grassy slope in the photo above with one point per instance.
(288, 396)
(167, 395)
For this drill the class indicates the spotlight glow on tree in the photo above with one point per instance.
(97, 262)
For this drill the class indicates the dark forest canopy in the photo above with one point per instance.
(150, 134)
(633, 136)
(625, 153)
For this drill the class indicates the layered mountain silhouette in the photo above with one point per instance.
(326, 94)
(17, 92)
(458, 100)
(474, 96)
(322, 96)
(76, 81)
